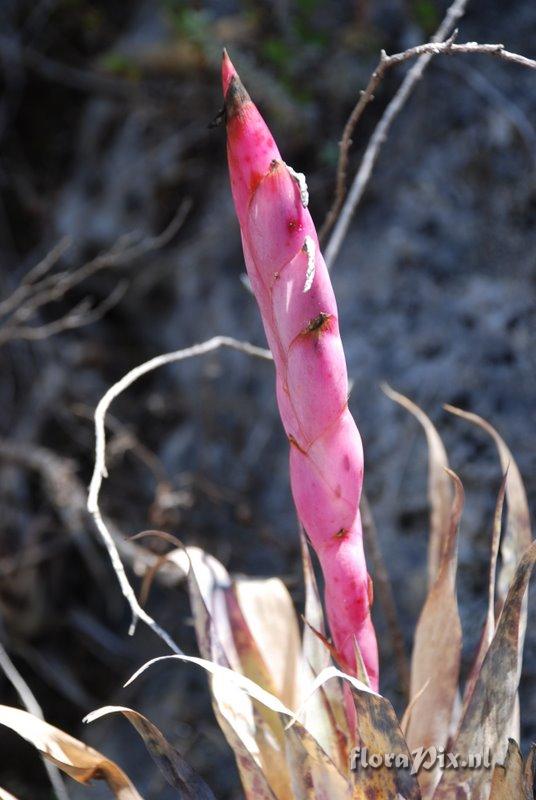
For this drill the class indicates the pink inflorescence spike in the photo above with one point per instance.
(299, 312)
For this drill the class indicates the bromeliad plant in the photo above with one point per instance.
(294, 707)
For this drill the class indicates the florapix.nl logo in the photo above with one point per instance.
(422, 758)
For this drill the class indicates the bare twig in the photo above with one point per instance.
(42, 268)
(99, 472)
(424, 53)
(82, 314)
(40, 286)
(30, 704)
(454, 12)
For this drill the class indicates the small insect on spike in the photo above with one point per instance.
(291, 283)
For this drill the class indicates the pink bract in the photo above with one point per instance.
(299, 313)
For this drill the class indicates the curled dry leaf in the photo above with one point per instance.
(489, 624)
(75, 758)
(436, 653)
(518, 533)
(169, 761)
(517, 536)
(439, 485)
(485, 723)
(379, 732)
(263, 767)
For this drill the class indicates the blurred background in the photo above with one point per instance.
(104, 133)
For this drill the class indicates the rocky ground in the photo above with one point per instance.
(104, 131)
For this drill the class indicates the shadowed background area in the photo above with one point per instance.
(104, 132)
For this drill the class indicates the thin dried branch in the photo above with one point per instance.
(100, 472)
(37, 272)
(454, 12)
(82, 314)
(30, 703)
(341, 212)
(41, 286)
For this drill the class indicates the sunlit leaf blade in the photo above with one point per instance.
(439, 485)
(209, 584)
(75, 758)
(169, 761)
(226, 675)
(210, 587)
(508, 781)
(270, 617)
(270, 655)
(255, 748)
(485, 724)
(270, 740)
(436, 653)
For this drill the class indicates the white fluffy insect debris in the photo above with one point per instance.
(299, 177)
(309, 248)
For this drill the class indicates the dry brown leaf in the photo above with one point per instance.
(313, 773)
(489, 625)
(314, 652)
(254, 746)
(246, 754)
(75, 758)
(518, 535)
(252, 728)
(508, 781)
(439, 485)
(436, 653)
(325, 713)
(209, 584)
(169, 761)
(485, 723)
(380, 733)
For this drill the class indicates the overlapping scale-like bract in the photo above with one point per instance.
(299, 312)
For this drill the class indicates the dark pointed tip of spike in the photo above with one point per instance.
(236, 98)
